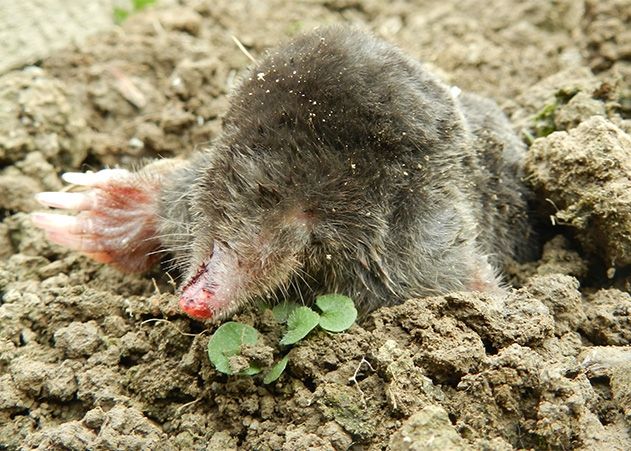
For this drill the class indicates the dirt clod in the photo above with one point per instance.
(586, 175)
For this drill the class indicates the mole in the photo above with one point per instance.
(344, 166)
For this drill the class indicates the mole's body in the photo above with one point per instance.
(343, 166)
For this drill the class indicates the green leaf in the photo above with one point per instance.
(226, 342)
(300, 322)
(120, 15)
(142, 4)
(276, 371)
(283, 310)
(338, 312)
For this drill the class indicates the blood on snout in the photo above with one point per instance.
(196, 296)
(197, 307)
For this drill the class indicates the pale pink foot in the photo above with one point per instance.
(116, 220)
(486, 279)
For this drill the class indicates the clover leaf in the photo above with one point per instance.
(283, 310)
(226, 342)
(338, 312)
(299, 323)
(276, 371)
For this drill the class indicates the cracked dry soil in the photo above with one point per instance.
(94, 359)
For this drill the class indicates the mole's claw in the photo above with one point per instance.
(69, 201)
(60, 223)
(81, 243)
(115, 221)
(93, 178)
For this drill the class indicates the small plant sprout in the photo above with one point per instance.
(120, 14)
(227, 342)
(338, 313)
(300, 322)
(281, 311)
(276, 370)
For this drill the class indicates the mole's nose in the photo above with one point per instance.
(195, 301)
(197, 295)
(213, 287)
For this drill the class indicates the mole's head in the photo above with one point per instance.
(258, 218)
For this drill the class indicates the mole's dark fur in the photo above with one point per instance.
(345, 166)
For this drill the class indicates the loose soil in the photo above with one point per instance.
(94, 359)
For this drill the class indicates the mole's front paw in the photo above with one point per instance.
(116, 222)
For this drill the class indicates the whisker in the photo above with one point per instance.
(168, 250)
(297, 288)
(174, 264)
(173, 235)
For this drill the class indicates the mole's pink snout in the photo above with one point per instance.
(196, 297)
(210, 291)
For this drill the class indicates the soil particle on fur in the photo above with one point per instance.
(94, 359)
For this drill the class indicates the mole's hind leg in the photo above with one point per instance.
(118, 215)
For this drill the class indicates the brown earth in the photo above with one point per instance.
(94, 359)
